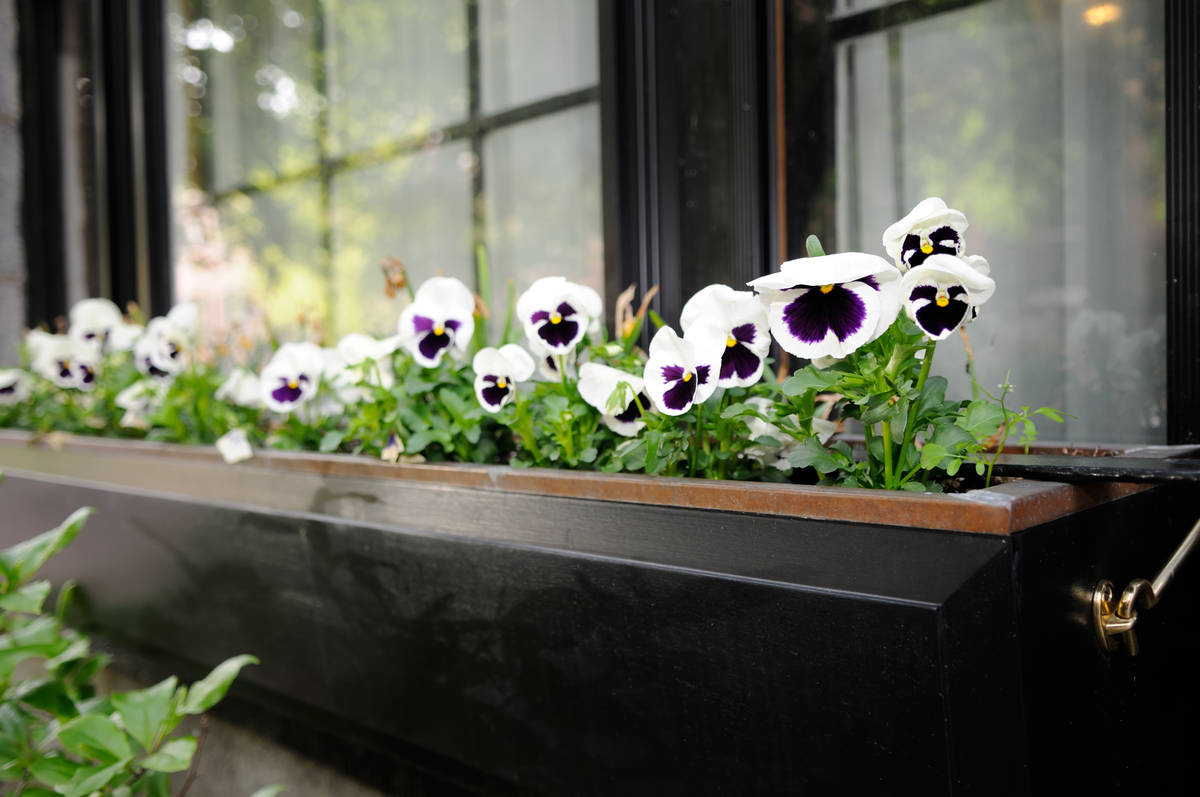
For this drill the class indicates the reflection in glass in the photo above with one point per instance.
(1047, 131)
(542, 191)
(398, 68)
(416, 208)
(533, 49)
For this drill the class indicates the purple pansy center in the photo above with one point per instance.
(560, 333)
(739, 359)
(944, 241)
(153, 370)
(89, 375)
(64, 369)
(633, 411)
(814, 314)
(8, 390)
(937, 320)
(435, 337)
(680, 395)
(289, 391)
(493, 394)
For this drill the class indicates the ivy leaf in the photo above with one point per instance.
(24, 559)
(205, 693)
(174, 756)
(28, 599)
(144, 711)
(95, 736)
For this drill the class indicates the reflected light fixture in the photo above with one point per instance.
(1102, 14)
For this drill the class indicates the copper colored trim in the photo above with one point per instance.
(1001, 509)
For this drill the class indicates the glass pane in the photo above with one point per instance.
(542, 191)
(533, 49)
(247, 70)
(250, 254)
(1045, 125)
(415, 208)
(398, 69)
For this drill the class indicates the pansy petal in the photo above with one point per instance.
(832, 323)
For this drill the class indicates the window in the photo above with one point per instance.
(313, 138)
(1045, 123)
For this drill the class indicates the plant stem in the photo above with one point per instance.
(886, 431)
(909, 431)
(696, 445)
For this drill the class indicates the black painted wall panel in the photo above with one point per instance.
(551, 670)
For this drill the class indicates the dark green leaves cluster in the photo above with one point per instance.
(57, 735)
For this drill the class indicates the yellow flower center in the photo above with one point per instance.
(439, 329)
(826, 288)
(943, 300)
(501, 382)
(293, 384)
(687, 376)
(556, 318)
(730, 342)
(926, 247)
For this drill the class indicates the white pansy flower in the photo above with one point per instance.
(557, 313)
(830, 305)
(944, 292)
(747, 336)
(930, 228)
(598, 386)
(497, 372)
(441, 316)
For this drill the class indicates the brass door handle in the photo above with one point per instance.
(1114, 625)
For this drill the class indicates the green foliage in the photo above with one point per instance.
(57, 736)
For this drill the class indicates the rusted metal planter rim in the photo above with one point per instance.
(1002, 509)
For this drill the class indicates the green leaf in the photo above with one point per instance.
(26, 558)
(811, 454)
(89, 779)
(950, 436)
(588, 454)
(45, 694)
(931, 455)
(657, 320)
(174, 756)
(79, 649)
(28, 599)
(54, 769)
(809, 378)
(812, 245)
(269, 791)
(144, 711)
(879, 407)
(981, 419)
(95, 736)
(331, 440)
(205, 693)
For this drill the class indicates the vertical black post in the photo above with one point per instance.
(689, 125)
(157, 173)
(474, 109)
(131, 196)
(39, 25)
(1183, 220)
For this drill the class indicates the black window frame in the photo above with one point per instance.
(646, 193)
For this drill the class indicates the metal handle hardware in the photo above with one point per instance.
(1114, 624)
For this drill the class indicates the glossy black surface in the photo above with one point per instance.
(830, 656)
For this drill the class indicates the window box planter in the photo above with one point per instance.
(578, 633)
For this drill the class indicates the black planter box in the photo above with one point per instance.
(564, 633)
